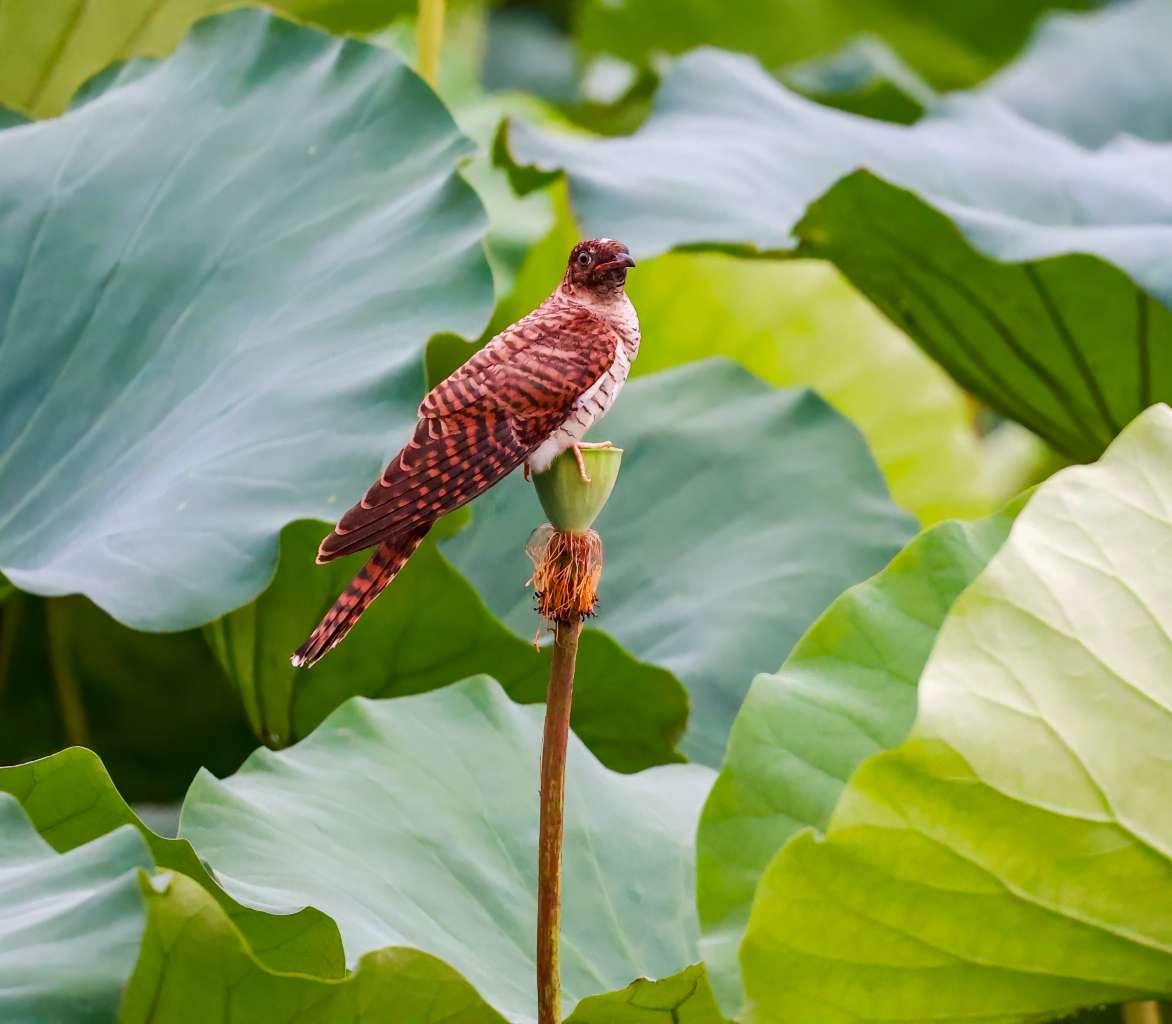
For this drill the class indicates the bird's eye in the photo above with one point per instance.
(584, 259)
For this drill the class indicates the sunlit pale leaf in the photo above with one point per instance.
(846, 692)
(1014, 856)
(51, 49)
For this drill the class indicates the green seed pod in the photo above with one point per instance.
(571, 503)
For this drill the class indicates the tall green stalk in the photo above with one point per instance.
(11, 623)
(65, 679)
(429, 35)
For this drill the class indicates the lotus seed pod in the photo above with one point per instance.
(571, 503)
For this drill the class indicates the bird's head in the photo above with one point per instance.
(598, 266)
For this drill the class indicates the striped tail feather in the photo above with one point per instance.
(382, 567)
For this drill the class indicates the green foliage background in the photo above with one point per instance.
(898, 426)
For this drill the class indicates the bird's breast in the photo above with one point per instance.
(599, 397)
(594, 402)
(625, 322)
(589, 408)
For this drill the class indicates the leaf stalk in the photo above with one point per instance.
(429, 34)
(65, 679)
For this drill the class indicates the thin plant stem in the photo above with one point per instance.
(549, 849)
(429, 35)
(65, 680)
(1146, 1012)
(11, 624)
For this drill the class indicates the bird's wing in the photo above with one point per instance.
(477, 426)
(540, 364)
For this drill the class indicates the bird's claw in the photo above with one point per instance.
(582, 474)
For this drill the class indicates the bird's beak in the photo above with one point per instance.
(623, 259)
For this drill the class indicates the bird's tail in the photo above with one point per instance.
(382, 567)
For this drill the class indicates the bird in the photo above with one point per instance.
(530, 394)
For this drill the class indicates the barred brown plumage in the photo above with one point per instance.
(531, 393)
(382, 567)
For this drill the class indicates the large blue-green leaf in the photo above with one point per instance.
(86, 937)
(972, 239)
(414, 822)
(526, 51)
(70, 933)
(204, 956)
(216, 278)
(71, 801)
(1098, 76)
(196, 967)
(70, 924)
(742, 511)
(1012, 860)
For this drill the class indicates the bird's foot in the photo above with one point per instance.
(527, 472)
(595, 444)
(582, 462)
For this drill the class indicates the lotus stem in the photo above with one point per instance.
(1146, 1012)
(567, 566)
(429, 35)
(549, 848)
